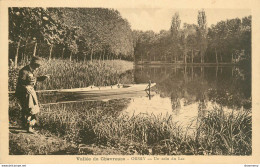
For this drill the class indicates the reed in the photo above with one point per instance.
(217, 134)
(103, 123)
(227, 133)
(66, 74)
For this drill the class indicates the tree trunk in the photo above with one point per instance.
(104, 55)
(108, 55)
(185, 57)
(24, 51)
(201, 57)
(203, 69)
(91, 54)
(85, 55)
(22, 58)
(217, 71)
(62, 55)
(35, 48)
(27, 58)
(17, 53)
(71, 56)
(192, 73)
(185, 54)
(192, 56)
(216, 53)
(50, 51)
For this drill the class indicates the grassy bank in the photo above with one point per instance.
(66, 74)
(103, 123)
(98, 123)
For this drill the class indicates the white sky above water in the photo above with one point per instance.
(157, 19)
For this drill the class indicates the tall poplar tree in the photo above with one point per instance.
(175, 28)
(202, 33)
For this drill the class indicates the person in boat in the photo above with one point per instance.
(25, 92)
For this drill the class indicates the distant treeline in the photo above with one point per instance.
(97, 33)
(227, 41)
(72, 33)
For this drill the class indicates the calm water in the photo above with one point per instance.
(185, 92)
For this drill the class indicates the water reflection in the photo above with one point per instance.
(228, 85)
(188, 92)
(185, 92)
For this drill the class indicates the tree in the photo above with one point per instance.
(21, 24)
(188, 40)
(103, 30)
(229, 41)
(192, 40)
(175, 28)
(70, 31)
(175, 25)
(32, 26)
(143, 44)
(246, 37)
(202, 33)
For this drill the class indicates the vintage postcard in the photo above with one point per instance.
(130, 82)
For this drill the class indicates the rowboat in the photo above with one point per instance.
(119, 88)
(93, 93)
(101, 89)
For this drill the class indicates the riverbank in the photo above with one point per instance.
(183, 64)
(75, 129)
(99, 127)
(64, 74)
(68, 74)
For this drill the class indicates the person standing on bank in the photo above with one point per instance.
(26, 94)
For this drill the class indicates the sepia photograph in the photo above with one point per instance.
(84, 81)
(149, 83)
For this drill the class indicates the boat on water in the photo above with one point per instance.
(112, 88)
(91, 93)
(101, 89)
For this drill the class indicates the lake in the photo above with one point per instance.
(183, 92)
(187, 92)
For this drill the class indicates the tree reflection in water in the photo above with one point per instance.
(200, 88)
(184, 91)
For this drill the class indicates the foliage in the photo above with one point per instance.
(227, 133)
(230, 40)
(97, 33)
(66, 74)
(103, 124)
(75, 33)
(217, 133)
(226, 42)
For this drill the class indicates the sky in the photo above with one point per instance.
(157, 19)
